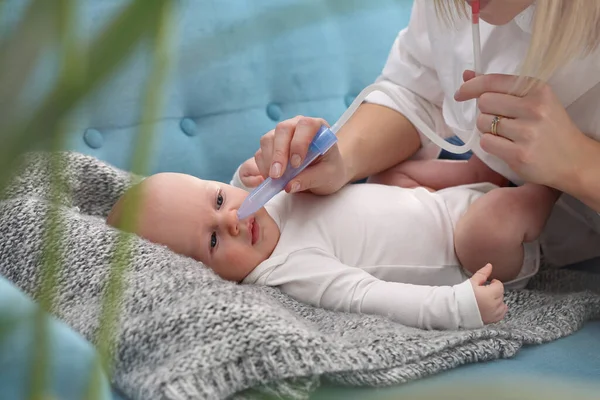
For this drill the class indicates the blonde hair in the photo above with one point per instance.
(563, 30)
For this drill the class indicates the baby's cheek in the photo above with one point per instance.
(241, 256)
(234, 258)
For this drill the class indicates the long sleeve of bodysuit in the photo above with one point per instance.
(316, 278)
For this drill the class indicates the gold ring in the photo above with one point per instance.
(495, 122)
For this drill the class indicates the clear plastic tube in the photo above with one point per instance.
(405, 106)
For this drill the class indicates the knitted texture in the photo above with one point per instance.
(184, 333)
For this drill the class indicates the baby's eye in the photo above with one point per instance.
(213, 240)
(219, 200)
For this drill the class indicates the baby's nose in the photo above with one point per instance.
(233, 223)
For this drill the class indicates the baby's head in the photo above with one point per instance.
(198, 219)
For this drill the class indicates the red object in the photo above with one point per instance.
(475, 11)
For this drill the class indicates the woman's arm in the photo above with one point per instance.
(375, 139)
(382, 137)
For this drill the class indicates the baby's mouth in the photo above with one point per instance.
(254, 231)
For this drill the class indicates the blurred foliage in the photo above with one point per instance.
(83, 67)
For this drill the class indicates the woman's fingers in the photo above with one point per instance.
(280, 148)
(306, 129)
(287, 144)
(500, 147)
(506, 128)
(496, 83)
(503, 104)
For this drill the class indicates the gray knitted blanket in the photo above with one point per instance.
(186, 334)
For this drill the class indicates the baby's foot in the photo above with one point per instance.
(490, 298)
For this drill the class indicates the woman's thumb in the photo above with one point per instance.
(483, 275)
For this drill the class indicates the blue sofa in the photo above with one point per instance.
(241, 67)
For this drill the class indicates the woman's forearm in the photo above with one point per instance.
(375, 139)
(583, 182)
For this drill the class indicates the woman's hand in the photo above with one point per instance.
(535, 135)
(289, 141)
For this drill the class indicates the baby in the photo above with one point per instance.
(409, 254)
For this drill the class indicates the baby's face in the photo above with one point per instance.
(198, 219)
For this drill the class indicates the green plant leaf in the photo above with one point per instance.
(122, 256)
(20, 52)
(111, 48)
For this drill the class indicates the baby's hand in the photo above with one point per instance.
(490, 298)
(249, 174)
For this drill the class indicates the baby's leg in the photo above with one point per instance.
(497, 224)
(394, 177)
(438, 174)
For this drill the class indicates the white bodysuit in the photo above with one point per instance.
(377, 249)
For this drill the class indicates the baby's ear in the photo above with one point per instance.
(114, 215)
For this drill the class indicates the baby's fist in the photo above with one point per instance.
(249, 174)
(490, 298)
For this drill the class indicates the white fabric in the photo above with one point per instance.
(425, 66)
(376, 249)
